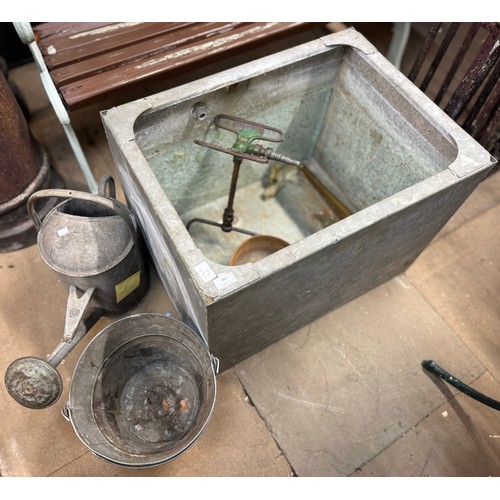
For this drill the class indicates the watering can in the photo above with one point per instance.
(92, 244)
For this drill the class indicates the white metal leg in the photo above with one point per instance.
(400, 35)
(28, 38)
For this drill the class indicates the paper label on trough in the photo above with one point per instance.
(205, 272)
(126, 287)
(224, 280)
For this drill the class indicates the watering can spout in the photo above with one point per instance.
(35, 383)
(75, 310)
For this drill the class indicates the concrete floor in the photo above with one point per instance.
(344, 396)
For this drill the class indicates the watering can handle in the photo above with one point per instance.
(110, 203)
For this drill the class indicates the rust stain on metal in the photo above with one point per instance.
(20, 156)
(476, 73)
(474, 102)
(456, 63)
(183, 406)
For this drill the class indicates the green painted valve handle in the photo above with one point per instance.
(246, 133)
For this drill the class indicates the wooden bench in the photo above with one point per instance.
(89, 62)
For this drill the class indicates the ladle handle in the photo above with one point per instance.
(110, 203)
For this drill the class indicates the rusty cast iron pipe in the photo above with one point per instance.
(228, 216)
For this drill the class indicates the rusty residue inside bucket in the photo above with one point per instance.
(146, 396)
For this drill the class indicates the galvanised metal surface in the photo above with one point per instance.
(399, 164)
(92, 241)
(35, 383)
(143, 391)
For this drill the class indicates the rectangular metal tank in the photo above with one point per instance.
(390, 154)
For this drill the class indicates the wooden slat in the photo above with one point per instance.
(63, 50)
(195, 33)
(92, 61)
(88, 89)
(46, 30)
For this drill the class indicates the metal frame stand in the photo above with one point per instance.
(27, 36)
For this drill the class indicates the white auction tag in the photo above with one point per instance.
(63, 231)
(224, 280)
(205, 272)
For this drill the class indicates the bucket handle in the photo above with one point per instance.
(107, 182)
(110, 203)
(66, 411)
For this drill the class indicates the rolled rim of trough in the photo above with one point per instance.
(95, 361)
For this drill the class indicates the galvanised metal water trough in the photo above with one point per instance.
(389, 154)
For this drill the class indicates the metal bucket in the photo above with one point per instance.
(142, 391)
